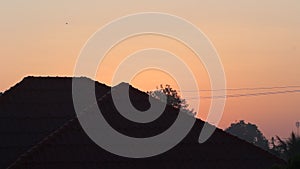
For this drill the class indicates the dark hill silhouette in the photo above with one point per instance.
(44, 129)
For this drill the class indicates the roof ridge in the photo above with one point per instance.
(27, 78)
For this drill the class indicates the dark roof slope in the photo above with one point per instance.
(70, 147)
(33, 109)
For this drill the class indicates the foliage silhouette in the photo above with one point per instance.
(248, 132)
(172, 98)
(286, 149)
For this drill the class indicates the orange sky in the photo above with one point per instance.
(258, 43)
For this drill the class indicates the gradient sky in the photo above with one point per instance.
(258, 42)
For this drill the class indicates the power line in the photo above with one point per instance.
(241, 89)
(245, 94)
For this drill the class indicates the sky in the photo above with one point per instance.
(258, 43)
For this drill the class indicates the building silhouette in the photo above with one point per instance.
(39, 129)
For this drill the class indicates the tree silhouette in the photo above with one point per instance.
(248, 132)
(287, 149)
(172, 98)
(275, 148)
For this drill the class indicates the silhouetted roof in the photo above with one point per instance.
(31, 110)
(69, 146)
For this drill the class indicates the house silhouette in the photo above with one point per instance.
(39, 129)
